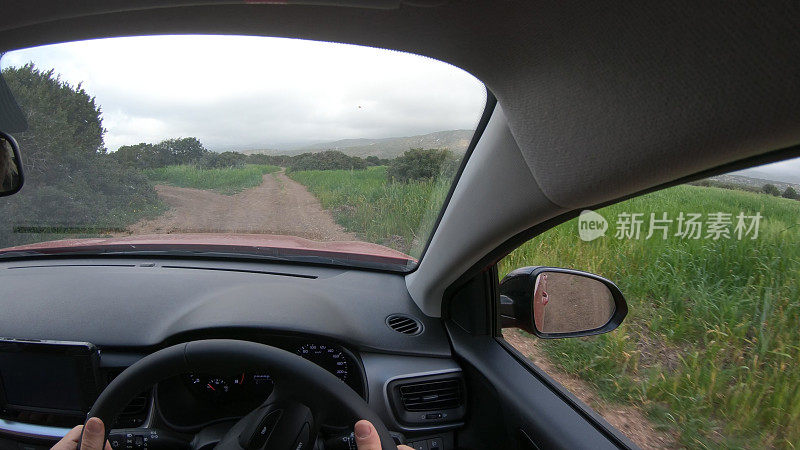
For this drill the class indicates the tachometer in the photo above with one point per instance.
(329, 357)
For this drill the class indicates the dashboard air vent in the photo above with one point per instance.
(431, 395)
(404, 324)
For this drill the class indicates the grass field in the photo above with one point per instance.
(397, 215)
(711, 345)
(225, 181)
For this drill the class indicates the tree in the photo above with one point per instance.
(167, 152)
(181, 151)
(140, 156)
(212, 160)
(71, 181)
(771, 190)
(422, 164)
(791, 193)
(327, 160)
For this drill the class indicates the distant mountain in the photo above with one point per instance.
(455, 140)
(785, 176)
(735, 178)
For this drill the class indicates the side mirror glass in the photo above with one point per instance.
(11, 178)
(551, 302)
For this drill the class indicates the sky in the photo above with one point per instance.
(245, 93)
(787, 171)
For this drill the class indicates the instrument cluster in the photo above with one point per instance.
(194, 400)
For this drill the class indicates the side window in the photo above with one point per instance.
(709, 353)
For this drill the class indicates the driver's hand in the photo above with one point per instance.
(367, 437)
(92, 437)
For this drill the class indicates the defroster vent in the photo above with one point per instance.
(404, 324)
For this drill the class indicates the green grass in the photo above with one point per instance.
(225, 181)
(398, 215)
(711, 345)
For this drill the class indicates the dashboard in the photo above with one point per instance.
(335, 317)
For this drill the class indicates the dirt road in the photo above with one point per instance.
(279, 205)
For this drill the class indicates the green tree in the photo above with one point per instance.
(327, 160)
(213, 160)
(791, 193)
(181, 151)
(771, 190)
(71, 181)
(422, 164)
(140, 156)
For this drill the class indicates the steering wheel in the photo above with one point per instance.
(304, 396)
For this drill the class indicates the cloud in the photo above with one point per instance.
(238, 92)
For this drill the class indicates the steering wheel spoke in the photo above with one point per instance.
(281, 423)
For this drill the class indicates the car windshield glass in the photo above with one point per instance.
(232, 145)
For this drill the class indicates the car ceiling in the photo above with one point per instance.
(601, 99)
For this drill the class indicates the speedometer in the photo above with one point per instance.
(329, 357)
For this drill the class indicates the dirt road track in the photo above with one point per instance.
(279, 205)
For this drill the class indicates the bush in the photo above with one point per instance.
(273, 160)
(327, 160)
(224, 160)
(166, 153)
(771, 190)
(791, 193)
(72, 185)
(422, 164)
(375, 161)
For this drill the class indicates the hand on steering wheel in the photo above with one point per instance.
(366, 437)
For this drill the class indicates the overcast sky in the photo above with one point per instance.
(235, 92)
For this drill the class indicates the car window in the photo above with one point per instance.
(235, 144)
(708, 354)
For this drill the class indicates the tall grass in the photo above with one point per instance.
(398, 215)
(712, 341)
(225, 181)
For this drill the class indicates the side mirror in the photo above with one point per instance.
(550, 302)
(11, 178)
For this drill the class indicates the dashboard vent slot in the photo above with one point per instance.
(404, 324)
(431, 395)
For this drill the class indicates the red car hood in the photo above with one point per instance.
(253, 244)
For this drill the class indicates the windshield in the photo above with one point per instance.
(232, 145)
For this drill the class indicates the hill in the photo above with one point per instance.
(455, 140)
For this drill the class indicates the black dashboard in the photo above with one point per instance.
(334, 317)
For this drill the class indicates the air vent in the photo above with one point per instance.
(431, 395)
(404, 324)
